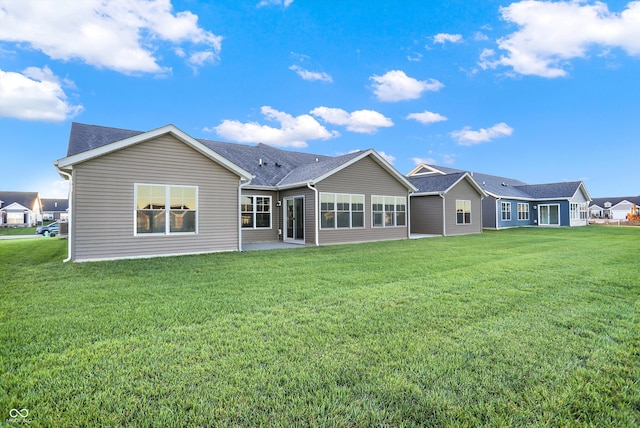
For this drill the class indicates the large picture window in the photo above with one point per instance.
(162, 209)
(341, 211)
(256, 212)
(463, 212)
(523, 211)
(388, 211)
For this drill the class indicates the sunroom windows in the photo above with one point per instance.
(341, 211)
(165, 209)
(388, 211)
(256, 212)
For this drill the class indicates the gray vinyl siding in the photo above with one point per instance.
(367, 178)
(309, 209)
(463, 191)
(426, 215)
(259, 234)
(489, 206)
(103, 220)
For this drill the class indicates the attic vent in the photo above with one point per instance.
(278, 165)
(505, 184)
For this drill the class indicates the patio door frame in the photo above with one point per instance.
(293, 216)
(548, 206)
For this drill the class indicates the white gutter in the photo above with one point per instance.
(498, 204)
(69, 219)
(315, 207)
(409, 194)
(444, 215)
(240, 186)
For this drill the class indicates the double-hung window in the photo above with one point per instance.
(165, 210)
(256, 212)
(506, 211)
(463, 211)
(341, 211)
(388, 211)
(523, 211)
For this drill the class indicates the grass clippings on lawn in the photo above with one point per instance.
(510, 328)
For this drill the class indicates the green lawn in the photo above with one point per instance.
(513, 328)
(7, 231)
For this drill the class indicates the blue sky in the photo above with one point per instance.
(537, 91)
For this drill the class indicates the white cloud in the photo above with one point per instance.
(285, 3)
(551, 34)
(293, 131)
(389, 158)
(427, 117)
(445, 37)
(360, 121)
(395, 85)
(36, 94)
(311, 75)
(426, 161)
(58, 189)
(121, 35)
(467, 137)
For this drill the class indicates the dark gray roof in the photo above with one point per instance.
(87, 137)
(551, 190)
(434, 183)
(272, 167)
(615, 200)
(26, 199)
(55, 204)
(504, 187)
(276, 164)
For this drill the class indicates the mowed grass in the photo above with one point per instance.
(512, 328)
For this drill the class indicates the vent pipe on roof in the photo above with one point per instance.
(316, 159)
(260, 161)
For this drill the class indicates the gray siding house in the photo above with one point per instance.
(513, 203)
(163, 192)
(445, 204)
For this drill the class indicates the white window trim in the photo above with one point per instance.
(395, 212)
(335, 211)
(503, 211)
(167, 223)
(254, 212)
(463, 212)
(526, 204)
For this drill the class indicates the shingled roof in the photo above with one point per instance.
(26, 199)
(270, 166)
(504, 187)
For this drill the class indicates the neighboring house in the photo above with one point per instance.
(163, 192)
(615, 208)
(55, 209)
(513, 203)
(20, 209)
(445, 204)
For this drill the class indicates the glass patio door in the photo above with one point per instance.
(549, 215)
(294, 231)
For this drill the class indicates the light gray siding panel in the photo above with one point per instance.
(463, 191)
(426, 215)
(309, 209)
(103, 200)
(364, 177)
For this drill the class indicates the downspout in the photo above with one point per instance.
(70, 217)
(240, 186)
(315, 214)
(498, 213)
(410, 194)
(444, 215)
